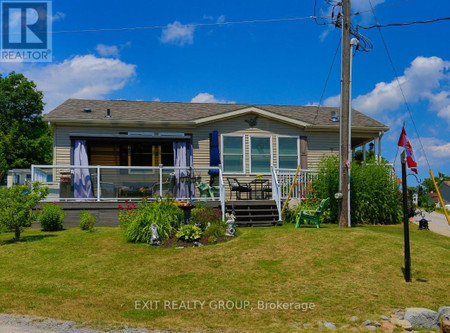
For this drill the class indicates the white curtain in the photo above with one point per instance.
(82, 177)
(179, 156)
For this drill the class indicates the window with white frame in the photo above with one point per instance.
(233, 154)
(260, 154)
(288, 152)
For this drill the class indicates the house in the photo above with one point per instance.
(145, 148)
(18, 177)
(444, 189)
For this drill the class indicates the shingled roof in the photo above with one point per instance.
(72, 110)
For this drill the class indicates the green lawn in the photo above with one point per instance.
(97, 277)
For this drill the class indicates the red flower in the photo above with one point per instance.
(120, 207)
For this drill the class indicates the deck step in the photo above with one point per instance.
(254, 213)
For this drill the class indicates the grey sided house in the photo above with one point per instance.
(117, 149)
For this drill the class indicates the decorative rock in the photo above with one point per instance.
(384, 317)
(445, 326)
(444, 313)
(402, 323)
(329, 325)
(319, 323)
(422, 318)
(371, 327)
(198, 244)
(367, 323)
(387, 326)
(376, 323)
(354, 318)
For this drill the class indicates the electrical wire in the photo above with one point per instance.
(399, 84)
(382, 7)
(404, 24)
(328, 79)
(158, 27)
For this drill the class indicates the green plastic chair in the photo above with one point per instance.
(313, 215)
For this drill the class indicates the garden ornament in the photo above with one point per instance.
(154, 240)
(231, 228)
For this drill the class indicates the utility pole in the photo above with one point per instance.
(345, 119)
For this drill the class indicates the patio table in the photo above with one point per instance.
(258, 188)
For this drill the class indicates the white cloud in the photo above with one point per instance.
(80, 77)
(178, 34)
(58, 16)
(107, 50)
(333, 101)
(422, 81)
(208, 98)
(221, 19)
(437, 150)
(362, 5)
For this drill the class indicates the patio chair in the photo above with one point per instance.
(239, 188)
(267, 191)
(313, 215)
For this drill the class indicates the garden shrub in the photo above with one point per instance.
(202, 215)
(87, 220)
(189, 233)
(136, 220)
(51, 217)
(290, 214)
(375, 196)
(215, 231)
(16, 207)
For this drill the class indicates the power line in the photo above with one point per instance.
(399, 83)
(404, 24)
(159, 27)
(382, 7)
(326, 81)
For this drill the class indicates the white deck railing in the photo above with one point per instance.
(115, 183)
(282, 180)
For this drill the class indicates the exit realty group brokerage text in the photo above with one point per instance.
(193, 305)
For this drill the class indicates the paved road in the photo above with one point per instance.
(436, 222)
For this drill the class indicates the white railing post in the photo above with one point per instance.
(222, 192)
(160, 180)
(32, 173)
(98, 183)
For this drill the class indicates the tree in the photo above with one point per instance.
(24, 137)
(428, 182)
(16, 207)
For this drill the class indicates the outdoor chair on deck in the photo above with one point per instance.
(313, 215)
(239, 188)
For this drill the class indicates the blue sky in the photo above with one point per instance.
(258, 63)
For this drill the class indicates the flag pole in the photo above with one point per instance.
(405, 220)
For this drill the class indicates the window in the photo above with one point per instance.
(233, 154)
(260, 154)
(288, 152)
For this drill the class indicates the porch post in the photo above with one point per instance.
(160, 180)
(98, 183)
(364, 152)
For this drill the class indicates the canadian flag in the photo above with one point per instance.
(404, 142)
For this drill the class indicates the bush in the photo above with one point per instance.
(136, 220)
(215, 232)
(189, 233)
(375, 197)
(87, 220)
(51, 217)
(290, 214)
(202, 215)
(16, 207)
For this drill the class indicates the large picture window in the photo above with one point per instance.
(288, 152)
(260, 154)
(233, 154)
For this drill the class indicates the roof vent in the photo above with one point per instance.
(87, 110)
(334, 117)
(108, 113)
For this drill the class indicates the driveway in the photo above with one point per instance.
(436, 222)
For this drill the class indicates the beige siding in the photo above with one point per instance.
(319, 144)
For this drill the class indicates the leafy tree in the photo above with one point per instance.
(16, 207)
(24, 138)
(428, 182)
(375, 196)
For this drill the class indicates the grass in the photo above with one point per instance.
(97, 277)
(441, 210)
